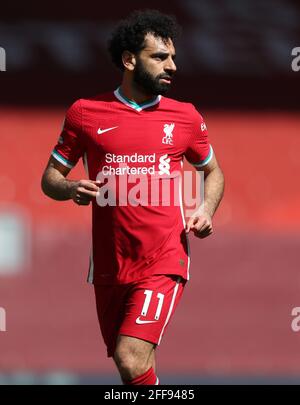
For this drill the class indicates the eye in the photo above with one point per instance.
(159, 57)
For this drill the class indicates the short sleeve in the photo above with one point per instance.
(199, 151)
(68, 149)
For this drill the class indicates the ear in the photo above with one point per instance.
(129, 60)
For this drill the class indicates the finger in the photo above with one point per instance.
(198, 224)
(204, 226)
(190, 224)
(97, 182)
(204, 234)
(86, 193)
(89, 186)
(82, 201)
(85, 198)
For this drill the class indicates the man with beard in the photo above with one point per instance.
(139, 263)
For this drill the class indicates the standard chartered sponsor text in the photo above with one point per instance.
(134, 158)
(123, 169)
(123, 182)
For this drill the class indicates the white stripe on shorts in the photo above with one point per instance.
(170, 309)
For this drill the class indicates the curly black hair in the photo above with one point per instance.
(130, 33)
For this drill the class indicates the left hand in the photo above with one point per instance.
(200, 224)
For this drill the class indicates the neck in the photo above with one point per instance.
(135, 93)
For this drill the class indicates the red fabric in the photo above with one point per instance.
(142, 310)
(257, 197)
(153, 142)
(148, 378)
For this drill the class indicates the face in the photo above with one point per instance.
(155, 67)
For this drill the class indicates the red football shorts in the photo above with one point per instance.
(141, 310)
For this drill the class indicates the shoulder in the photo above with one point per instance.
(86, 101)
(77, 109)
(186, 108)
(73, 113)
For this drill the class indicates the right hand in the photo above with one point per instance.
(83, 191)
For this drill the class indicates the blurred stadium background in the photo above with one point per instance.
(234, 323)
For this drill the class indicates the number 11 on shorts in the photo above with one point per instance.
(145, 308)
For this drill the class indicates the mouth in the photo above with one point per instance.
(167, 80)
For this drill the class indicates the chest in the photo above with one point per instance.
(152, 132)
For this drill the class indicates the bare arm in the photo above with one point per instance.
(201, 221)
(213, 186)
(56, 186)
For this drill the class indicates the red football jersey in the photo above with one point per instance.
(119, 139)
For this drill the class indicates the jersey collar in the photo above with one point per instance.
(132, 104)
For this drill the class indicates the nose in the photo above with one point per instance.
(170, 66)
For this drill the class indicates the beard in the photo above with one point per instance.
(149, 83)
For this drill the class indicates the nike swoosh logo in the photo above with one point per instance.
(139, 322)
(101, 131)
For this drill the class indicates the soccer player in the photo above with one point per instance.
(139, 263)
